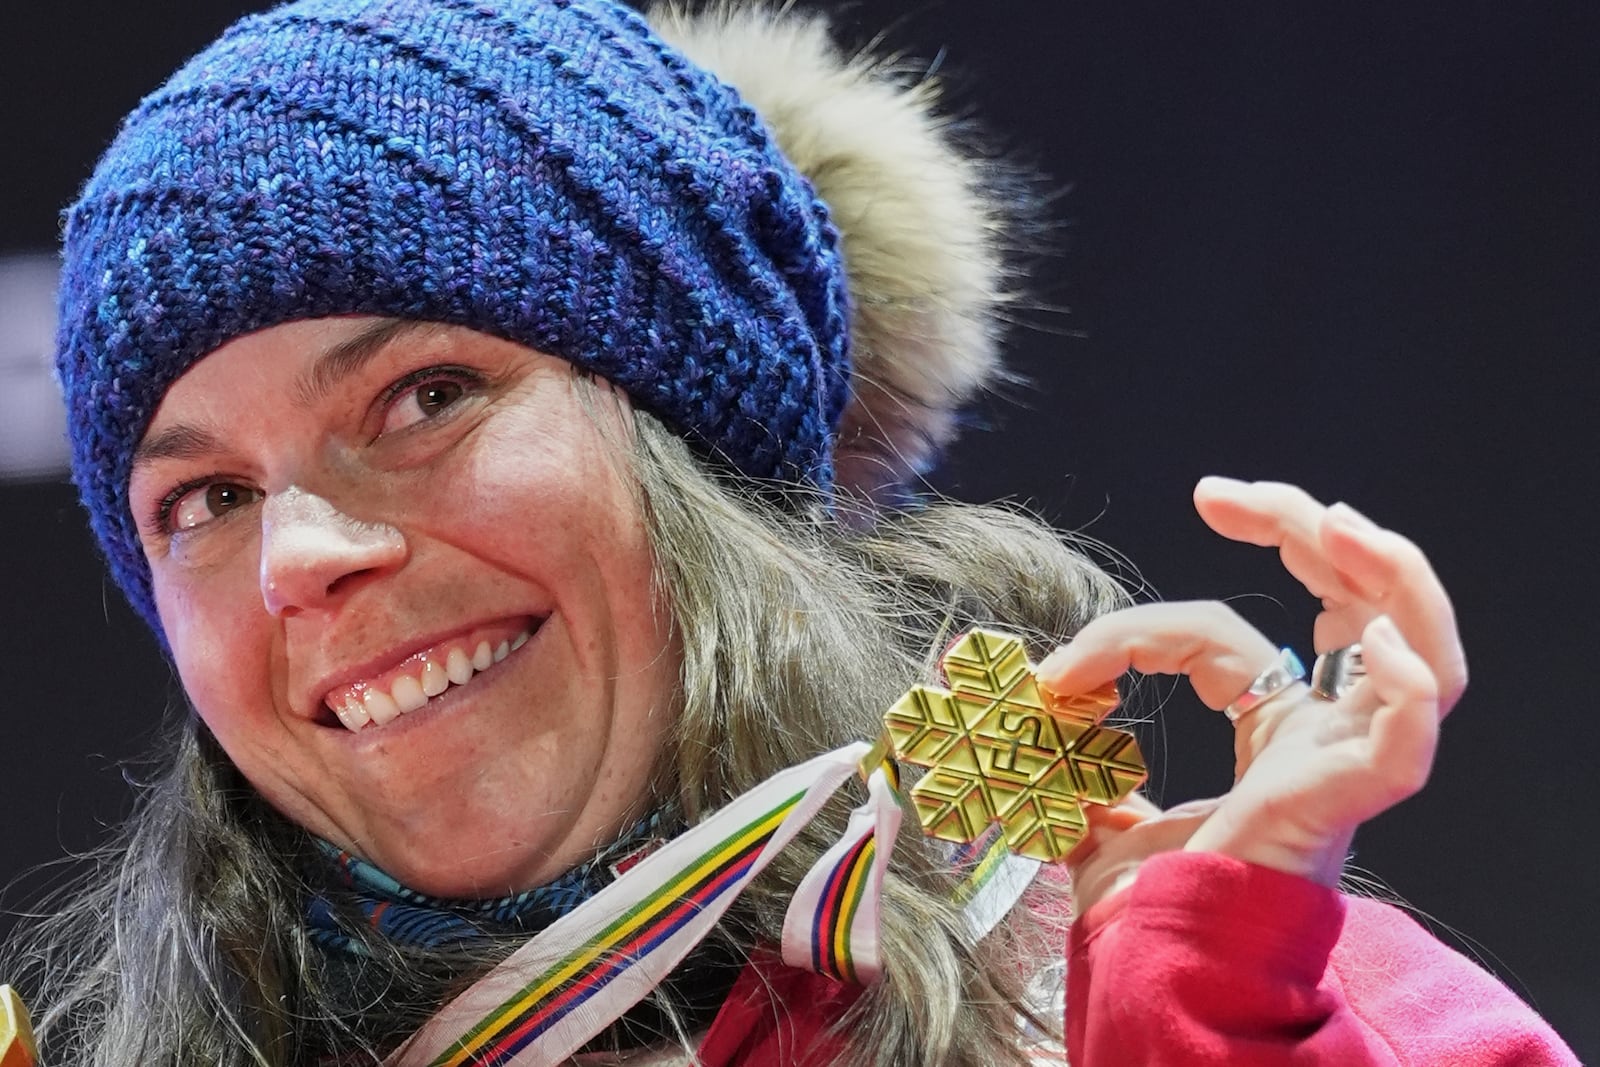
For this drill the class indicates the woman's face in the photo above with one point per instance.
(410, 593)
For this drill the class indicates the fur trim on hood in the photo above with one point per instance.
(923, 223)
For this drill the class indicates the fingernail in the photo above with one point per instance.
(1384, 629)
(1219, 483)
(1345, 515)
(1052, 665)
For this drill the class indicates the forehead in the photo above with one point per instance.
(301, 362)
(305, 372)
(313, 354)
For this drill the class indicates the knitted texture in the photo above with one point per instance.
(543, 170)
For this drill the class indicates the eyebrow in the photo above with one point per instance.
(175, 442)
(349, 356)
(340, 361)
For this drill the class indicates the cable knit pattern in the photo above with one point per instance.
(543, 170)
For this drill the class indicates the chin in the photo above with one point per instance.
(445, 862)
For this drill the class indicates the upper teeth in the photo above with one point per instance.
(363, 704)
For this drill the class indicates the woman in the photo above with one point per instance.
(501, 425)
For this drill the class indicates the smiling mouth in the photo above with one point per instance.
(372, 703)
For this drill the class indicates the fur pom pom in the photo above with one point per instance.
(923, 225)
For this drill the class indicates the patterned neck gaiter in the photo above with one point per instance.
(414, 919)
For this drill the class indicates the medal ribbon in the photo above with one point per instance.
(996, 882)
(580, 974)
(832, 923)
(1001, 752)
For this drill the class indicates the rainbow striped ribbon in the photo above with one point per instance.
(832, 923)
(997, 881)
(585, 970)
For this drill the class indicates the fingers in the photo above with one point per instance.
(1405, 730)
(1394, 576)
(1122, 838)
(1357, 568)
(1332, 765)
(1107, 822)
(1337, 628)
(1272, 515)
(1219, 651)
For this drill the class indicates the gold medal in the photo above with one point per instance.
(1001, 749)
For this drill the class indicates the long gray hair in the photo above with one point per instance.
(184, 941)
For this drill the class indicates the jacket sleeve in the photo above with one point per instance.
(1209, 960)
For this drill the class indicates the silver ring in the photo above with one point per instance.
(1280, 674)
(1337, 672)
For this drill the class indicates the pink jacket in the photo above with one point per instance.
(1207, 960)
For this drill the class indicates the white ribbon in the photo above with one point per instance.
(561, 963)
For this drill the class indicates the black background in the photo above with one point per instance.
(1352, 246)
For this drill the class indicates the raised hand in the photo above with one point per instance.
(1308, 770)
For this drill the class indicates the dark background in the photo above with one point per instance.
(1352, 246)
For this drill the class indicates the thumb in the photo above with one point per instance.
(1123, 837)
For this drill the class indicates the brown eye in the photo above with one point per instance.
(434, 397)
(207, 503)
(221, 498)
(419, 403)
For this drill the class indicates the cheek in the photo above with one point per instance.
(550, 502)
(221, 656)
(545, 497)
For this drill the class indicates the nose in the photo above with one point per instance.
(312, 553)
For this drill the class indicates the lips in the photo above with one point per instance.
(379, 698)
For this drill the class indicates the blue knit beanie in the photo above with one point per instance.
(546, 171)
